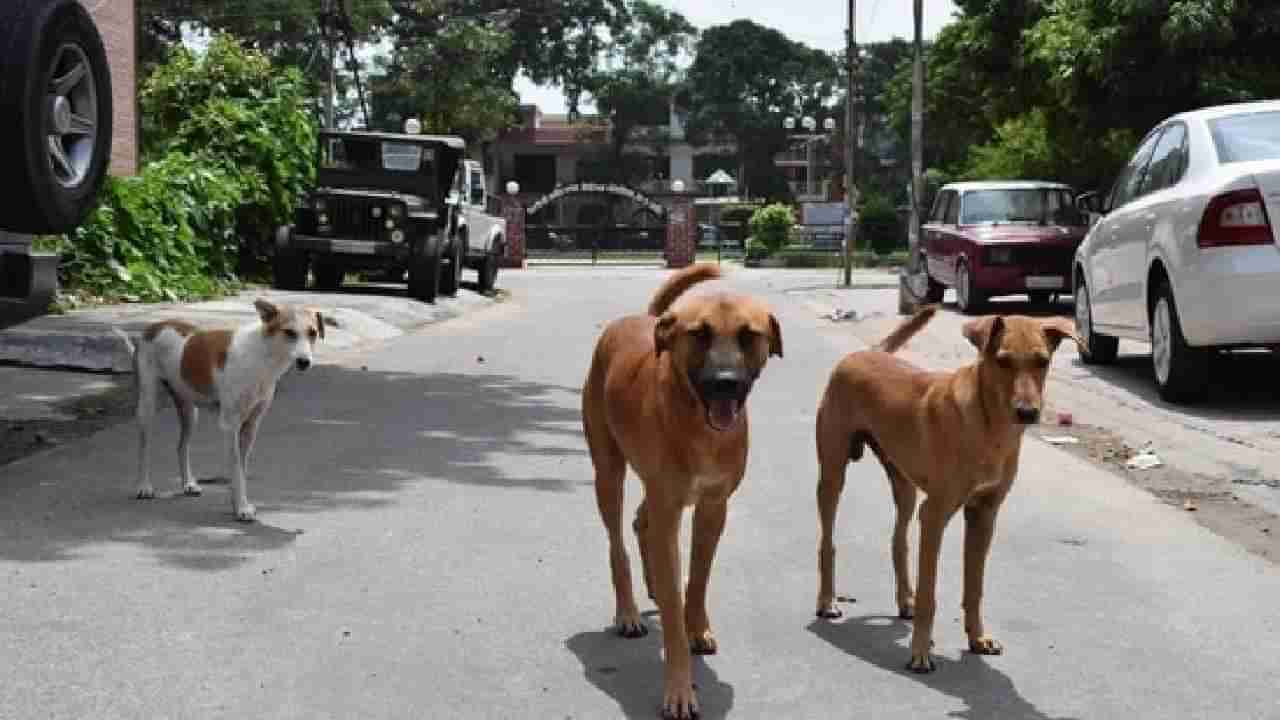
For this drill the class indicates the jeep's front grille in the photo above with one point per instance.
(353, 217)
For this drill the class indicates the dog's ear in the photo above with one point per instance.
(266, 310)
(664, 332)
(985, 332)
(1058, 329)
(775, 336)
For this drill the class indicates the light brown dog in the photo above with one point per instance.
(954, 435)
(666, 394)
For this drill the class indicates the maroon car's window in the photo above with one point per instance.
(953, 208)
(1252, 136)
(1040, 206)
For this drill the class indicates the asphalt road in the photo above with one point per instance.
(428, 546)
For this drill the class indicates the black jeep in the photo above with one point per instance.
(386, 202)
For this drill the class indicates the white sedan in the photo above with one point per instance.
(1182, 252)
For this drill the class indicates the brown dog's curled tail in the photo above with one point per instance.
(680, 281)
(907, 329)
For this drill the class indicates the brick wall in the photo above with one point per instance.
(117, 23)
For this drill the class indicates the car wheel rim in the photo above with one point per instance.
(1083, 320)
(962, 287)
(1161, 341)
(71, 113)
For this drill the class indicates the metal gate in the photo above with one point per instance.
(614, 223)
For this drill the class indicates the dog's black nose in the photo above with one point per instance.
(722, 384)
(1028, 415)
(303, 363)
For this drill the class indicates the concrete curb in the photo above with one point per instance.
(85, 341)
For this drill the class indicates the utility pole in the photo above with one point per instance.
(850, 139)
(917, 140)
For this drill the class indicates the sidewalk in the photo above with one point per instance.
(83, 340)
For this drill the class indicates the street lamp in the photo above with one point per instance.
(811, 125)
(677, 186)
(513, 187)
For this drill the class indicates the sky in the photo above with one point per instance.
(817, 23)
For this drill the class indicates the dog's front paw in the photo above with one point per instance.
(829, 611)
(145, 492)
(680, 703)
(629, 625)
(703, 643)
(985, 645)
(921, 663)
(907, 611)
(245, 513)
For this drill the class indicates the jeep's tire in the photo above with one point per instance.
(288, 266)
(424, 278)
(328, 274)
(55, 114)
(451, 278)
(488, 273)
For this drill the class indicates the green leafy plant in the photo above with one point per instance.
(771, 226)
(878, 225)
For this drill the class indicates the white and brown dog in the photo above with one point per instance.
(231, 371)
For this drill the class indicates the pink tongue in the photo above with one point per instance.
(722, 413)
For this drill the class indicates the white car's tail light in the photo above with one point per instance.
(1238, 217)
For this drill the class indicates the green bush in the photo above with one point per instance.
(878, 225)
(168, 233)
(771, 226)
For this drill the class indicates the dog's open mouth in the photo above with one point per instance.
(722, 413)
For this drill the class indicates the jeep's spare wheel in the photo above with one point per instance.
(55, 114)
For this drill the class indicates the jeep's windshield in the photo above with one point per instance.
(367, 154)
(1041, 206)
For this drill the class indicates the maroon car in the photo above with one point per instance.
(1001, 238)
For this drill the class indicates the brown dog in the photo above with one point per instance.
(954, 435)
(666, 394)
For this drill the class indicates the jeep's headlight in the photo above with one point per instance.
(396, 211)
(320, 205)
(323, 219)
(397, 236)
(391, 224)
(376, 212)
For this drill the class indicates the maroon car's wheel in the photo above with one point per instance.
(968, 297)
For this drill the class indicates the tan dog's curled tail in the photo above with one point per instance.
(128, 342)
(907, 329)
(680, 281)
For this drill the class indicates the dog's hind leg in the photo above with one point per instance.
(904, 497)
(146, 390)
(187, 416)
(834, 451)
(641, 528)
(611, 472)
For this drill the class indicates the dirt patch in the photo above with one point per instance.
(89, 414)
(1213, 501)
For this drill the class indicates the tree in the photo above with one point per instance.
(744, 80)
(443, 70)
(635, 81)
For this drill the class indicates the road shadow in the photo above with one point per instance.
(882, 640)
(630, 671)
(1241, 385)
(336, 438)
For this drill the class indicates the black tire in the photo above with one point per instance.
(41, 40)
(1099, 349)
(1040, 297)
(328, 274)
(424, 278)
(451, 278)
(488, 273)
(969, 299)
(1186, 377)
(936, 289)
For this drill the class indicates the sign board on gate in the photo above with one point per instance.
(823, 213)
